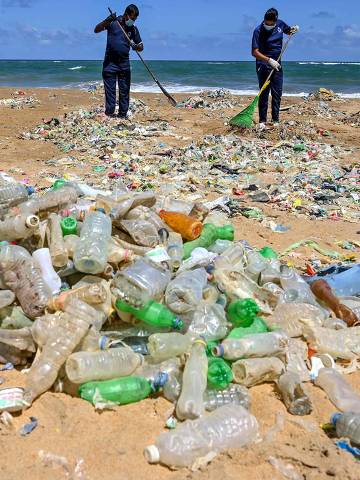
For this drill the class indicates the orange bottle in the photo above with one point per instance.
(189, 228)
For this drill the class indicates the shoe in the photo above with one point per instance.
(276, 123)
(262, 126)
(123, 117)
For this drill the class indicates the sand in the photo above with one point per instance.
(111, 443)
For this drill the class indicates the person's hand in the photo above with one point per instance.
(274, 64)
(133, 45)
(111, 18)
(294, 29)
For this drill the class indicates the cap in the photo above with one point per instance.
(152, 454)
(335, 417)
(218, 351)
(69, 226)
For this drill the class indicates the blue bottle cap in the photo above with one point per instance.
(159, 381)
(102, 210)
(30, 190)
(335, 417)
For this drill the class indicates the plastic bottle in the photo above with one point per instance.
(227, 427)
(234, 394)
(254, 371)
(142, 232)
(256, 264)
(151, 371)
(293, 318)
(78, 211)
(190, 403)
(219, 219)
(7, 297)
(188, 227)
(141, 282)
(93, 294)
(175, 249)
(58, 251)
(184, 293)
(219, 374)
(208, 236)
(120, 391)
(323, 292)
(62, 341)
(258, 326)
(137, 344)
(173, 386)
(53, 199)
(12, 194)
(51, 278)
(84, 367)
(233, 257)
(209, 322)
(23, 277)
(69, 226)
(343, 343)
(18, 227)
(91, 252)
(293, 283)
(168, 345)
(347, 426)
(200, 257)
(220, 246)
(340, 393)
(241, 313)
(296, 357)
(294, 396)
(171, 204)
(347, 283)
(258, 345)
(152, 313)
(144, 213)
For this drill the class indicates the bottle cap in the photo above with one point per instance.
(58, 183)
(68, 226)
(268, 252)
(218, 351)
(30, 190)
(178, 324)
(335, 417)
(152, 454)
(102, 210)
(160, 380)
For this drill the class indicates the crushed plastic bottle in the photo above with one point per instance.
(295, 398)
(234, 394)
(184, 293)
(340, 393)
(254, 371)
(347, 426)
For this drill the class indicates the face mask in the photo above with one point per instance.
(129, 23)
(269, 27)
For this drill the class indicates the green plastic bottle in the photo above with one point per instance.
(269, 253)
(241, 313)
(58, 183)
(69, 226)
(152, 313)
(209, 348)
(120, 390)
(258, 326)
(210, 233)
(219, 374)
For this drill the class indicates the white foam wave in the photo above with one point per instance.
(57, 61)
(328, 63)
(76, 68)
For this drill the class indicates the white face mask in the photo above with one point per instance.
(129, 23)
(269, 27)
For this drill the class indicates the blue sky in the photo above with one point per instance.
(178, 30)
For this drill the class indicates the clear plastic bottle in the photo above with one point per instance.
(43, 259)
(254, 371)
(53, 199)
(340, 393)
(150, 371)
(173, 386)
(7, 297)
(23, 277)
(347, 426)
(91, 252)
(84, 367)
(42, 327)
(343, 343)
(258, 345)
(220, 246)
(294, 396)
(256, 264)
(93, 294)
(191, 403)
(79, 210)
(184, 293)
(209, 322)
(163, 346)
(142, 281)
(58, 250)
(142, 232)
(296, 357)
(233, 257)
(234, 394)
(175, 249)
(230, 426)
(145, 213)
(12, 194)
(174, 205)
(62, 341)
(71, 242)
(18, 227)
(200, 257)
(292, 281)
(293, 318)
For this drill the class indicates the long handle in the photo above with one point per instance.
(273, 70)
(165, 92)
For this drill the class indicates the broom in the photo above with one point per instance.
(244, 119)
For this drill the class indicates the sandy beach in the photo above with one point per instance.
(111, 443)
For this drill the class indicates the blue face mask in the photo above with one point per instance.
(269, 27)
(129, 23)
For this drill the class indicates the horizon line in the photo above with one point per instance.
(161, 60)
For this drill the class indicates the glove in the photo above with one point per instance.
(111, 18)
(274, 64)
(133, 45)
(294, 29)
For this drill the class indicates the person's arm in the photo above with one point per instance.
(137, 45)
(259, 56)
(100, 27)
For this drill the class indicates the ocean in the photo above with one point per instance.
(182, 76)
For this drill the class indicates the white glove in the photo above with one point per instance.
(294, 29)
(274, 64)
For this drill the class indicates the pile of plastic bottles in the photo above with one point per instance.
(133, 294)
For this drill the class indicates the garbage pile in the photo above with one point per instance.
(353, 120)
(323, 94)
(220, 99)
(20, 102)
(137, 294)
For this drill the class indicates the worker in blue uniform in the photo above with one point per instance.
(267, 44)
(116, 66)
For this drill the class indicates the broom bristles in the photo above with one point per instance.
(244, 119)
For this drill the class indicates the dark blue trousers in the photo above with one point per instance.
(112, 74)
(276, 88)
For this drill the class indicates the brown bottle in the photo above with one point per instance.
(322, 290)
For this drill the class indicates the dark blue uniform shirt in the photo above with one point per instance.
(118, 47)
(270, 42)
